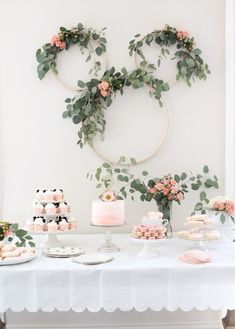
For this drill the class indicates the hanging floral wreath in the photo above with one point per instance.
(189, 62)
(88, 108)
(79, 35)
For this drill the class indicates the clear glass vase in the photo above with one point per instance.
(167, 214)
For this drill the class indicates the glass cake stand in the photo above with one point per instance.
(108, 246)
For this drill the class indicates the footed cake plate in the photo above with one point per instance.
(150, 247)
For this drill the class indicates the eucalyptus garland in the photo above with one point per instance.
(79, 35)
(89, 107)
(190, 65)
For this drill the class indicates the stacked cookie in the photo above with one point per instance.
(199, 229)
(195, 256)
(10, 251)
(148, 232)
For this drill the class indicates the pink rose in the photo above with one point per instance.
(221, 206)
(230, 207)
(166, 181)
(104, 93)
(152, 190)
(104, 88)
(170, 197)
(55, 40)
(173, 182)
(159, 186)
(103, 85)
(165, 191)
(7, 233)
(174, 190)
(182, 34)
(180, 196)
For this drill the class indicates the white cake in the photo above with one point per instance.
(108, 213)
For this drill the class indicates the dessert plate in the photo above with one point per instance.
(63, 252)
(93, 259)
(17, 261)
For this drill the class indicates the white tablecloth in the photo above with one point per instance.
(127, 282)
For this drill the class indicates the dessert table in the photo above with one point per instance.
(125, 283)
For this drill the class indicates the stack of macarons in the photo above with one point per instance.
(148, 232)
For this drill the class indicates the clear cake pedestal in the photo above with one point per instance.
(108, 246)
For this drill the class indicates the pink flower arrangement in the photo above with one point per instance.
(222, 204)
(55, 40)
(104, 88)
(182, 34)
(167, 187)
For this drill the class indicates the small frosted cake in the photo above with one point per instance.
(108, 211)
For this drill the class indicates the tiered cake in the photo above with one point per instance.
(51, 213)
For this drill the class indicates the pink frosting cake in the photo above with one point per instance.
(108, 213)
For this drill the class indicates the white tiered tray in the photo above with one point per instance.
(51, 239)
(200, 243)
(67, 214)
(150, 247)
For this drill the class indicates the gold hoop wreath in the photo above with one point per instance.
(93, 98)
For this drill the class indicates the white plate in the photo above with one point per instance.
(63, 252)
(20, 260)
(149, 242)
(93, 259)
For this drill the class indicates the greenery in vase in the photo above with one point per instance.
(12, 232)
(164, 190)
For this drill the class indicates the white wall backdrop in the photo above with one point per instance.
(38, 148)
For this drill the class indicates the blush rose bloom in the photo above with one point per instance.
(152, 190)
(103, 88)
(182, 34)
(180, 196)
(7, 233)
(55, 40)
(165, 191)
(230, 207)
(174, 190)
(173, 182)
(219, 206)
(159, 186)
